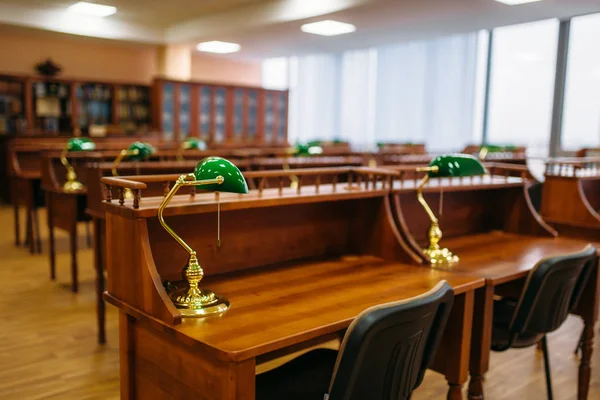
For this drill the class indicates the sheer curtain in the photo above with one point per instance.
(426, 92)
(415, 92)
(314, 97)
(357, 98)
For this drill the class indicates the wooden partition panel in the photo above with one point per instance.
(591, 190)
(254, 237)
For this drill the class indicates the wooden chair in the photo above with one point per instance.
(552, 290)
(384, 354)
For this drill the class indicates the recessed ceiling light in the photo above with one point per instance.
(517, 2)
(92, 10)
(328, 28)
(218, 47)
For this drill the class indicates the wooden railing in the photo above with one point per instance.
(573, 167)
(352, 178)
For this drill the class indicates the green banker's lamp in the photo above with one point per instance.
(190, 144)
(138, 151)
(301, 150)
(218, 175)
(447, 166)
(493, 148)
(74, 144)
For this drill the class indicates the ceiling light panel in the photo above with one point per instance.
(516, 2)
(328, 28)
(92, 10)
(218, 47)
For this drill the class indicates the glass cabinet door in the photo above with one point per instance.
(168, 108)
(184, 111)
(269, 116)
(205, 115)
(220, 114)
(281, 117)
(238, 114)
(252, 119)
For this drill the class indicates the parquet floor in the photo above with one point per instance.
(48, 344)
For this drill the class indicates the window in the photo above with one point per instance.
(522, 85)
(581, 118)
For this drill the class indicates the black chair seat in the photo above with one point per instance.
(504, 310)
(313, 370)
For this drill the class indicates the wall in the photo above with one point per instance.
(80, 57)
(223, 70)
(90, 58)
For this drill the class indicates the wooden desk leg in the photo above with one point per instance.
(481, 340)
(74, 279)
(459, 326)
(585, 370)
(52, 244)
(17, 226)
(36, 231)
(29, 235)
(100, 283)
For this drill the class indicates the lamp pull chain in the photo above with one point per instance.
(218, 219)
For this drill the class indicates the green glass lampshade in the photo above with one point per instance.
(313, 143)
(211, 167)
(307, 149)
(455, 165)
(80, 144)
(193, 143)
(144, 151)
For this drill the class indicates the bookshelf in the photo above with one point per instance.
(12, 99)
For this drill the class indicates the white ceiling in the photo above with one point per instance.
(267, 28)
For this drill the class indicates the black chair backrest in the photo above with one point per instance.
(387, 348)
(551, 291)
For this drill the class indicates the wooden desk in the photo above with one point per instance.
(491, 225)
(65, 209)
(297, 265)
(571, 197)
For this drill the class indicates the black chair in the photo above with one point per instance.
(384, 355)
(551, 291)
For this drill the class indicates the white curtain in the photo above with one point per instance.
(357, 98)
(425, 92)
(314, 98)
(415, 92)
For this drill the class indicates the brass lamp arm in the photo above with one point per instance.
(65, 162)
(182, 181)
(124, 153)
(423, 202)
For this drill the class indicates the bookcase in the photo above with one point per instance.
(12, 100)
(220, 114)
(50, 106)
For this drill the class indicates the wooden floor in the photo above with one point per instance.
(48, 344)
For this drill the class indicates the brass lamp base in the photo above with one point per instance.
(439, 256)
(203, 304)
(72, 186)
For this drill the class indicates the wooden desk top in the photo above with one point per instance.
(282, 305)
(501, 257)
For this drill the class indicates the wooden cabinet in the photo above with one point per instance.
(220, 114)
